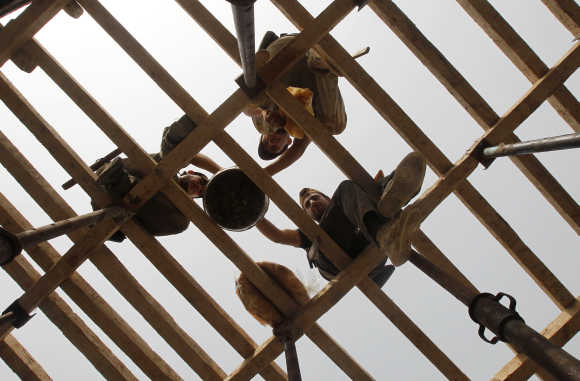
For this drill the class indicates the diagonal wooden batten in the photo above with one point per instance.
(561, 330)
(69, 323)
(76, 287)
(142, 58)
(227, 144)
(315, 334)
(21, 361)
(339, 258)
(63, 269)
(162, 173)
(567, 12)
(475, 105)
(263, 282)
(522, 56)
(198, 297)
(393, 114)
(509, 122)
(186, 347)
(203, 133)
(314, 309)
(30, 21)
(101, 118)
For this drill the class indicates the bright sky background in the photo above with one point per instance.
(207, 73)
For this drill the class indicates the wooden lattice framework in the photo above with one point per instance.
(547, 84)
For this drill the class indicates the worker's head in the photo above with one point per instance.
(193, 183)
(270, 122)
(314, 202)
(273, 145)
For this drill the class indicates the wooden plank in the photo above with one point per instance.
(69, 323)
(337, 256)
(306, 224)
(76, 287)
(20, 361)
(179, 278)
(63, 269)
(130, 148)
(401, 122)
(537, 94)
(198, 297)
(567, 12)
(561, 330)
(261, 280)
(475, 105)
(21, 29)
(184, 345)
(521, 55)
(315, 308)
(201, 135)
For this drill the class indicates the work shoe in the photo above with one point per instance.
(404, 185)
(394, 238)
(382, 275)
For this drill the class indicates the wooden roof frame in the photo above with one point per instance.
(547, 84)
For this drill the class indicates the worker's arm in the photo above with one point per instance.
(204, 162)
(289, 157)
(286, 237)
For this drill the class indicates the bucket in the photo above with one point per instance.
(233, 201)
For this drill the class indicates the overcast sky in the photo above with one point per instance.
(207, 73)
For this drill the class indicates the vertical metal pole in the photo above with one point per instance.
(292, 366)
(243, 11)
(44, 233)
(486, 310)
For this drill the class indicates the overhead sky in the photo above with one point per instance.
(208, 74)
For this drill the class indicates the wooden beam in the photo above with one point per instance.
(567, 12)
(69, 323)
(475, 105)
(227, 327)
(183, 344)
(130, 148)
(76, 287)
(149, 246)
(20, 361)
(69, 262)
(559, 332)
(401, 122)
(521, 55)
(21, 29)
(337, 255)
(314, 309)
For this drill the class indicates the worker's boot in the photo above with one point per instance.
(394, 238)
(404, 185)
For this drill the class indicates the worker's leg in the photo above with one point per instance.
(405, 184)
(328, 104)
(175, 133)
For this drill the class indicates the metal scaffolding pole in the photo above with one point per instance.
(539, 145)
(12, 244)
(486, 310)
(243, 11)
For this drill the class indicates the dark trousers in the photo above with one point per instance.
(346, 222)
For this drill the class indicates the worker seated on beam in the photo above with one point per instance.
(314, 82)
(158, 216)
(353, 220)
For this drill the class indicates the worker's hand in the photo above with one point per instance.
(379, 175)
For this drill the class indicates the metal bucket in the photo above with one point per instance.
(233, 201)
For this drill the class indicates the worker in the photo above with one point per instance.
(353, 220)
(314, 82)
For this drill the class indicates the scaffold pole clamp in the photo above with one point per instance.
(16, 315)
